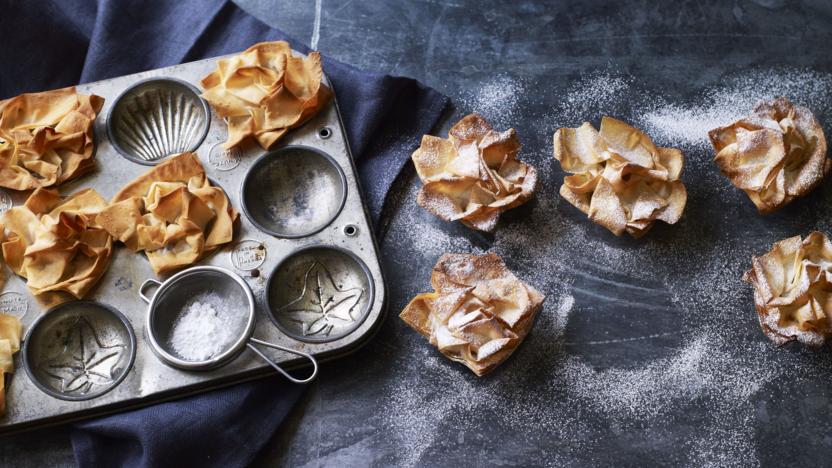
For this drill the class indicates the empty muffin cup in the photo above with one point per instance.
(79, 350)
(157, 118)
(202, 318)
(319, 293)
(294, 192)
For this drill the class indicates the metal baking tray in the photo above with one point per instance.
(113, 367)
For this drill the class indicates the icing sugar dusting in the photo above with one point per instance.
(200, 331)
(731, 100)
(497, 101)
(591, 94)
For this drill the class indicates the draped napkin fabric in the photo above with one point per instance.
(53, 44)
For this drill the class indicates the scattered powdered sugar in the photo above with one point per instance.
(564, 308)
(649, 391)
(591, 94)
(732, 99)
(677, 292)
(686, 123)
(677, 124)
(201, 331)
(496, 100)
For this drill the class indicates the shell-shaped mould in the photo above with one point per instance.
(157, 118)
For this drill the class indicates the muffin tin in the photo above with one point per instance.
(303, 247)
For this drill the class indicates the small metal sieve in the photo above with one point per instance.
(171, 300)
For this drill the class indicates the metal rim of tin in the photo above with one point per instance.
(27, 364)
(235, 349)
(371, 293)
(276, 153)
(126, 154)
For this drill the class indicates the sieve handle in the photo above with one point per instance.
(253, 341)
(145, 286)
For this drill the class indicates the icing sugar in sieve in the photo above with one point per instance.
(206, 326)
(203, 317)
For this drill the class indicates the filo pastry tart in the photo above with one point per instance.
(793, 290)
(776, 154)
(478, 313)
(619, 178)
(265, 91)
(474, 175)
(172, 213)
(46, 138)
(55, 242)
(11, 331)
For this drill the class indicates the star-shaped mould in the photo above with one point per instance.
(83, 361)
(322, 305)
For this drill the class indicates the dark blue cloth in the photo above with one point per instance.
(50, 44)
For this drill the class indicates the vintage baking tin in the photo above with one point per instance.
(319, 148)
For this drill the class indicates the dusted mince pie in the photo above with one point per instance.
(55, 242)
(265, 91)
(478, 313)
(172, 213)
(619, 178)
(46, 138)
(793, 290)
(10, 332)
(776, 154)
(474, 175)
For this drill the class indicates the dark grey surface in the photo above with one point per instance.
(666, 316)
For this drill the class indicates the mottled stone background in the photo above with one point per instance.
(646, 352)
